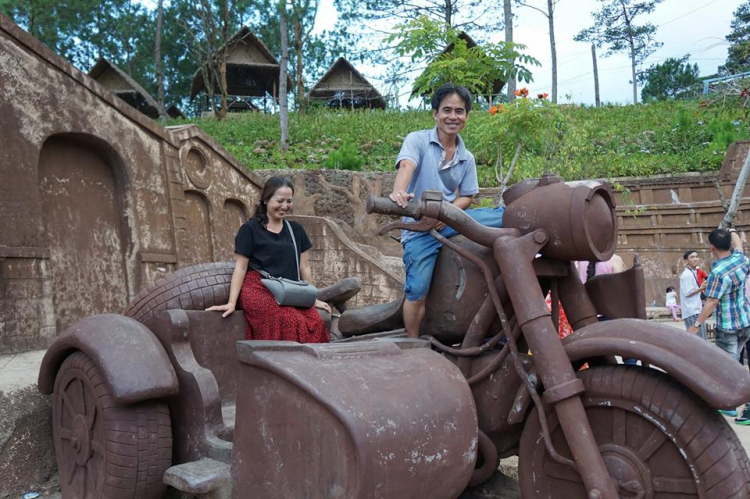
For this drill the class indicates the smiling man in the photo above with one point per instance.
(436, 159)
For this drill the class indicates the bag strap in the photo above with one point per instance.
(294, 242)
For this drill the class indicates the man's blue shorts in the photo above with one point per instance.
(421, 252)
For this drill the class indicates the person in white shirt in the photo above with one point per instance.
(671, 302)
(690, 292)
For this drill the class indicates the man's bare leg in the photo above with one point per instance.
(413, 315)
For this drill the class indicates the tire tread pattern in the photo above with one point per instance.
(193, 288)
(137, 438)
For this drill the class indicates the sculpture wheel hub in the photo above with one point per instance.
(81, 440)
(631, 475)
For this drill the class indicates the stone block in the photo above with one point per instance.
(24, 288)
(22, 268)
(46, 312)
(12, 344)
(27, 316)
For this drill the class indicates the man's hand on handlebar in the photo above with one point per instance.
(401, 198)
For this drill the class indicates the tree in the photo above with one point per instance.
(614, 26)
(158, 60)
(476, 68)
(669, 79)
(738, 59)
(473, 12)
(283, 106)
(549, 13)
(508, 18)
(523, 125)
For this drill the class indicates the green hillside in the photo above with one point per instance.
(610, 141)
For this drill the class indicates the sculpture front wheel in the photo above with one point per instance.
(657, 439)
(106, 450)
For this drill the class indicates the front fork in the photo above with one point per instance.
(562, 387)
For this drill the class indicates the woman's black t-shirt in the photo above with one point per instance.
(271, 252)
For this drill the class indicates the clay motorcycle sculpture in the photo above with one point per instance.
(150, 398)
(608, 430)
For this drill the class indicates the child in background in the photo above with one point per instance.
(671, 301)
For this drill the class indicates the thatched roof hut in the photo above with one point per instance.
(343, 86)
(497, 85)
(252, 70)
(113, 78)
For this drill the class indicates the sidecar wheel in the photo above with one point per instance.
(657, 438)
(106, 450)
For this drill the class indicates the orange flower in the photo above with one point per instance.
(494, 110)
(523, 92)
(518, 93)
(540, 96)
(545, 94)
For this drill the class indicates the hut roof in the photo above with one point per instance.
(115, 79)
(252, 69)
(174, 112)
(497, 85)
(343, 78)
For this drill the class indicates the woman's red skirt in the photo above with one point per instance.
(266, 320)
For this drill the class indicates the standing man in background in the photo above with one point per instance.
(725, 289)
(690, 292)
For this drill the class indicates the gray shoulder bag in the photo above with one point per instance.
(287, 292)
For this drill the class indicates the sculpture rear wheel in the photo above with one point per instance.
(104, 450)
(657, 438)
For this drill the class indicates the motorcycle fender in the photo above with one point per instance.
(133, 362)
(697, 364)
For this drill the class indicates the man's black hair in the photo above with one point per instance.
(688, 253)
(721, 239)
(450, 89)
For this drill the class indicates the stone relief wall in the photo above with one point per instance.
(98, 200)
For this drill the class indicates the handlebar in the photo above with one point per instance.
(431, 205)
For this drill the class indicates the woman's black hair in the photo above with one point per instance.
(590, 270)
(272, 185)
(670, 288)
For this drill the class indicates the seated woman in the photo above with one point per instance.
(264, 242)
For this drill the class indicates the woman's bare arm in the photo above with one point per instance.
(306, 275)
(238, 277)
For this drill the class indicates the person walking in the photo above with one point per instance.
(671, 302)
(691, 287)
(725, 289)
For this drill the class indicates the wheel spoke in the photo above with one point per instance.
(67, 403)
(97, 447)
(65, 434)
(673, 485)
(71, 471)
(618, 427)
(652, 444)
(561, 472)
(83, 396)
(84, 481)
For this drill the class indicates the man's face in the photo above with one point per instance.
(451, 116)
(693, 260)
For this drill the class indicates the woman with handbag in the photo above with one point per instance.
(271, 258)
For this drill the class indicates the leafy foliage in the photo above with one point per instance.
(476, 67)
(738, 59)
(609, 141)
(346, 157)
(670, 79)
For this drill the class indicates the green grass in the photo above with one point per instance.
(610, 141)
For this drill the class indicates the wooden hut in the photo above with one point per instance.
(497, 85)
(345, 87)
(113, 78)
(252, 71)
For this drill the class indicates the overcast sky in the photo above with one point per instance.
(697, 27)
